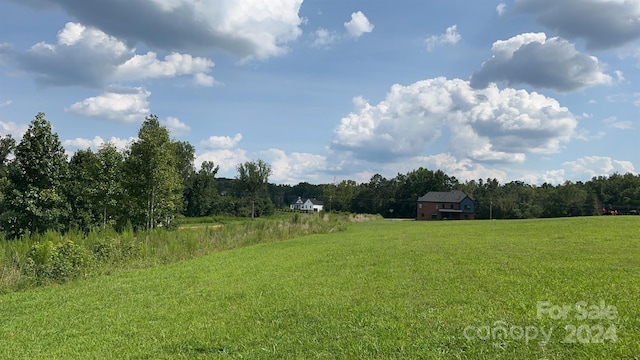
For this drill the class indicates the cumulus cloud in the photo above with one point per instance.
(450, 36)
(81, 56)
(603, 24)
(462, 168)
(222, 142)
(358, 25)
(490, 125)
(175, 64)
(295, 167)
(125, 105)
(71, 145)
(557, 176)
(227, 159)
(590, 166)
(86, 56)
(533, 59)
(175, 126)
(248, 28)
(14, 129)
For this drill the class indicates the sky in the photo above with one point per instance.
(528, 90)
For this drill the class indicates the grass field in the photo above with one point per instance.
(382, 289)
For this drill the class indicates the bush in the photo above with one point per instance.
(61, 262)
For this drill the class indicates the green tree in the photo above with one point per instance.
(154, 186)
(185, 155)
(343, 195)
(253, 177)
(81, 190)
(109, 187)
(34, 198)
(7, 146)
(201, 195)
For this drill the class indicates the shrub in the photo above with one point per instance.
(61, 262)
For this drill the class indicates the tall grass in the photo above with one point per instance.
(54, 257)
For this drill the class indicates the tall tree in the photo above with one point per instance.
(34, 199)
(185, 155)
(7, 146)
(109, 187)
(81, 190)
(253, 177)
(202, 192)
(154, 185)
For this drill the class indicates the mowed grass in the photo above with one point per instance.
(381, 289)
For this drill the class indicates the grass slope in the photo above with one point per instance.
(381, 289)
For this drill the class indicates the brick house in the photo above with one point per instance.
(452, 205)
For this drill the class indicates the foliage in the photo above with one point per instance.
(253, 178)
(58, 262)
(154, 183)
(38, 259)
(34, 200)
(201, 194)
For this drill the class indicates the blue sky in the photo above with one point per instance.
(531, 90)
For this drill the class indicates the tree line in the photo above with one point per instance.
(396, 197)
(149, 184)
(154, 181)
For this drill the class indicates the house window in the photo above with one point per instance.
(467, 207)
(437, 206)
(434, 216)
(419, 206)
(421, 214)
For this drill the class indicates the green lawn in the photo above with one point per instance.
(382, 289)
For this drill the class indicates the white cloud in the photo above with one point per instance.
(463, 169)
(358, 25)
(6, 103)
(538, 178)
(202, 79)
(295, 167)
(251, 29)
(489, 125)
(88, 57)
(175, 64)
(615, 123)
(451, 37)
(227, 159)
(585, 135)
(119, 105)
(323, 38)
(619, 76)
(590, 166)
(175, 126)
(71, 145)
(82, 56)
(533, 59)
(222, 142)
(501, 9)
(13, 129)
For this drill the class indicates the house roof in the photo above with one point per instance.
(454, 196)
(302, 201)
(315, 201)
